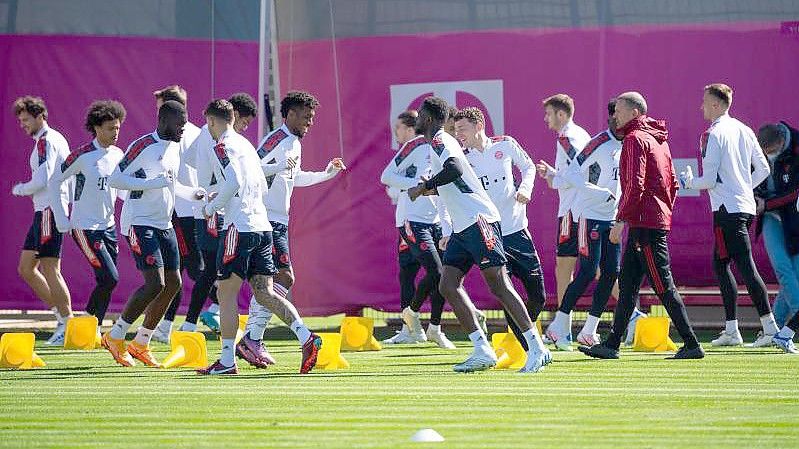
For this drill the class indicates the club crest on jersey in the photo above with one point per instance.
(499, 155)
(221, 154)
(271, 142)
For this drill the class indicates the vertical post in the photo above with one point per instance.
(261, 69)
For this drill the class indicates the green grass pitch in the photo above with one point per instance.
(733, 398)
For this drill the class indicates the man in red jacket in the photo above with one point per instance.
(649, 188)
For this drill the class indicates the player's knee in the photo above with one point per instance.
(447, 287)
(24, 271)
(719, 266)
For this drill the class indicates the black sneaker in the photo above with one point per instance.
(599, 351)
(685, 353)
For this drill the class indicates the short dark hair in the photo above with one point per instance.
(472, 114)
(171, 108)
(174, 93)
(32, 105)
(769, 134)
(721, 91)
(408, 118)
(221, 109)
(437, 107)
(297, 99)
(244, 104)
(611, 107)
(102, 111)
(560, 102)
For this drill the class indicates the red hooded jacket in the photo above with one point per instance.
(648, 184)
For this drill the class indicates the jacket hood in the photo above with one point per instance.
(655, 128)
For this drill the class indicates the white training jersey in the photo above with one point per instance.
(594, 174)
(733, 164)
(274, 150)
(465, 198)
(242, 186)
(570, 142)
(200, 155)
(50, 150)
(149, 202)
(93, 198)
(187, 175)
(494, 168)
(405, 170)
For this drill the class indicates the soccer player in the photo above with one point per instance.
(40, 260)
(281, 155)
(559, 117)
(649, 189)
(92, 219)
(594, 174)
(476, 240)
(148, 172)
(420, 226)
(493, 160)
(733, 164)
(200, 156)
(184, 215)
(245, 252)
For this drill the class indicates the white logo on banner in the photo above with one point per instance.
(487, 92)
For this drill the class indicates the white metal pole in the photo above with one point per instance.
(273, 56)
(262, 70)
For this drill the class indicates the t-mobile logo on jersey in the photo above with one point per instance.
(485, 95)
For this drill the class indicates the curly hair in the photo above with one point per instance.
(472, 114)
(437, 107)
(244, 104)
(102, 111)
(30, 104)
(297, 99)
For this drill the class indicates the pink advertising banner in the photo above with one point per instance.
(342, 232)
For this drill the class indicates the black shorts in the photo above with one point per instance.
(280, 246)
(567, 236)
(101, 250)
(420, 237)
(522, 256)
(731, 234)
(245, 254)
(480, 244)
(405, 257)
(184, 234)
(207, 233)
(154, 248)
(43, 236)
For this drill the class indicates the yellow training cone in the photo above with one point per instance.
(330, 357)
(652, 335)
(81, 333)
(512, 353)
(37, 361)
(496, 342)
(16, 350)
(188, 351)
(242, 327)
(356, 334)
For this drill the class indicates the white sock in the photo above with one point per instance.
(302, 332)
(433, 328)
(257, 320)
(590, 326)
(214, 308)
(534, 341)
(563, 323)
(119, 329)
(731, 326)
(143, 336)
(165, 326)
(228, 357)
(769, 325)
(188, 327)
(58, 316)
(787, 332)
(479, 340)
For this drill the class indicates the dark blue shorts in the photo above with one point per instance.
(567, 236)
(101, 249)
(43, 236)
(154, 248)
(420, 237)
(280, 246)
(521, 254)
(480, 244)
(244, 254)
(207, 236)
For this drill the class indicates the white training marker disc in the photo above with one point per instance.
(427, 436)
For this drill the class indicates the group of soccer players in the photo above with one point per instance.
(207, 201)
(458, 205)
(203, 199)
